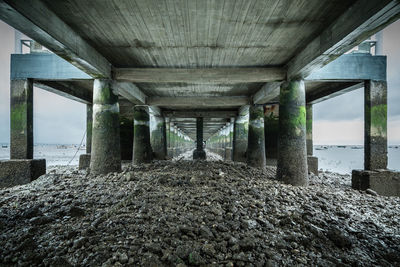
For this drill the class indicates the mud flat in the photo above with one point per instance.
(186, 213)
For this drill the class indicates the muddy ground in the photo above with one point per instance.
(183, 213)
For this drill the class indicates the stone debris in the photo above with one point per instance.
(186, 213)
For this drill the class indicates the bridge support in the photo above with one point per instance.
(199, 152)
(312, 161)
(21, 119)
(292, 154)
(158, 137)
(106, 155)
(256, 139)
(142, 152)
(271, 127)
(126, 137)
(240, 133)
(84, 159)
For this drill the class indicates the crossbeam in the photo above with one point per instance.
(229, 101)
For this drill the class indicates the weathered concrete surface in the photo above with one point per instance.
(106, 151)
(158, 138)
(20, 171)
(309, 134)
(292, 158)
(384, 182)
(21, 119)
(375, 125)
(271, 130)
(89, 127)
(126, 137)
(228, 153)
(256, 141)
(142, 151)
(199, 153)
(84, 161)
(312, 163)
(240, 135)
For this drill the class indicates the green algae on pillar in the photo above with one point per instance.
(106, 151)
(271, 129)
(256, 141)
(142, 151)
(21, 119)
(292, 154)
(158, 137)
(199, 152)
(375, 134)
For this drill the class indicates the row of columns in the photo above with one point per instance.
(245, 134)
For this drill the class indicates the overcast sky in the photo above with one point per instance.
(336, 121)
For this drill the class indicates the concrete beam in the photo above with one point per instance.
(65, 89)
(360, 21)
(200, 76)
(37, 21)
(130, 92)
(331, 90)
(221, 101)
(352, 67)
(269, 92)
(201, 113)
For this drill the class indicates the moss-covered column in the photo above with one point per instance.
(199, 152)
(158, 137)
(168, 134)
(292, 154)
(240, 137)
(309, 134)
(21, 119)
(106, 151)
(271, 129)
(256, 141)
(142, 152)
(126, 137)
(375, 132)
(89, 126)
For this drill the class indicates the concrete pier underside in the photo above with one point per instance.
(215, 79)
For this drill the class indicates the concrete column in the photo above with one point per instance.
(158, 137)
(126, 137)
(142, 152)
(375, 116)
(240, 136)
(199, 152)
(168, 135)
(256, 141)
(89, 126)
(292, 153)
(21, 119)
(271, 129)
(106, 151)
(309, 135)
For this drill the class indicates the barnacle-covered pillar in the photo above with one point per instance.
(142, 152)
(256, 139)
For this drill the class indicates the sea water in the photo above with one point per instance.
(340, 159)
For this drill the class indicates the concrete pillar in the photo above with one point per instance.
(240, 136)
(309, 134)
(292, 153)
(142, 151)
(21, 119)
(375, 116)
(158, 137)
(199, 152)
(271, 129)
(89, 126)
(256, 141)
(126, 137)
(106, 151)
(168, 134)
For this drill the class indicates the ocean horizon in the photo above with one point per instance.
(333, 158)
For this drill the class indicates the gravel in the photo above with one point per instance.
(185, 213)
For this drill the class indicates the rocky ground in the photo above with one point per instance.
(183, 213)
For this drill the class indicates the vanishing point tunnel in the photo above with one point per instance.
(238, 78)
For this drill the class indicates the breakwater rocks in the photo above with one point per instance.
(187, 213)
